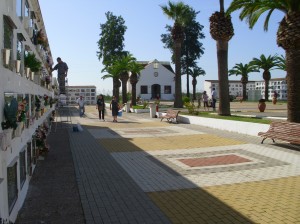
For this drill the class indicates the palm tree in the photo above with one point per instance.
(288, 37)
(267, 64)
(179, 12)
(221, 30)
(135, 70)
(195, 72)
(123, 67)
(281, 63)
(114, 74)
(243, 70)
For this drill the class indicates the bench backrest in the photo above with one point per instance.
(172, 112)
(285, 126)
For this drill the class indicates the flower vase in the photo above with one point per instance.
(19, 129)
(6, 56)
(261, 106)
(27, 72)
(18, 65)
(6, 141)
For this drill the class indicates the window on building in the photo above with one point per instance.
(22, 168)
(27, 10)
(82, 90)
(8, 33)
(87, 94)
(144, 89)
(19, 49)
(29, 158)
(19, 8)
(34, 151)
(168, 89)
(92, 94)
(12, 186)
(93, 90)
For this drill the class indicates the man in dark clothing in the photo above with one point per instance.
(62, 72)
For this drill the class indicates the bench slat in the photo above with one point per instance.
(283, 130)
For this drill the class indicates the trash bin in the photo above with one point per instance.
(152, 107)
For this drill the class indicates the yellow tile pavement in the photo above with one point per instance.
(270, 201)
(165, 143)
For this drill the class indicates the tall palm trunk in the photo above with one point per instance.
(244, 81)
(293, 82)
(267, 77)
(288, 37)
(222, 54)
(124, 78)
(221, 30)
(116, 87)
(194, 83)
(178, 94)
(187, 78)
(133, 82)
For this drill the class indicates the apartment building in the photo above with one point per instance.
(88, 93)
(277, 84)
(25, 99)
(235, 87)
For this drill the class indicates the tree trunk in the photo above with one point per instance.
(124, 78)
(116, 86)
(244, 91)
(267, 77)
(222, 54)
(187, 83)
(178, 94)
(293, 82)
(194, 83)
(133, 94)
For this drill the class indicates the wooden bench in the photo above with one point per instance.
(171, 115)
(282, 130)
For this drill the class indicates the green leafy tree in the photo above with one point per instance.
(288, 37)
(192, 48)
(179, 13)
(195, 72)
(267, 64)
(111, 44)
(221, 30)
(243, 70)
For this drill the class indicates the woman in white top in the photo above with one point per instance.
(205, 100)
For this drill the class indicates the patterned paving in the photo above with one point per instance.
(274, 201)
(196, 177)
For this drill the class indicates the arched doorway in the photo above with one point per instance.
(155, 91)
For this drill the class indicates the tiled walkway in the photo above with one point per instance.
(141, 170)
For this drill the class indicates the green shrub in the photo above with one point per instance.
(186, 100)
(191, 108)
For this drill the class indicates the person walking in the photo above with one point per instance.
(101, 107)
(114, 107)
(214, 99)
(62, 72)
(80, 102)
(205, 101)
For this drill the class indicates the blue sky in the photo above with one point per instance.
(73, 29)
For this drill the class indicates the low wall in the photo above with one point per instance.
(247, 128)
